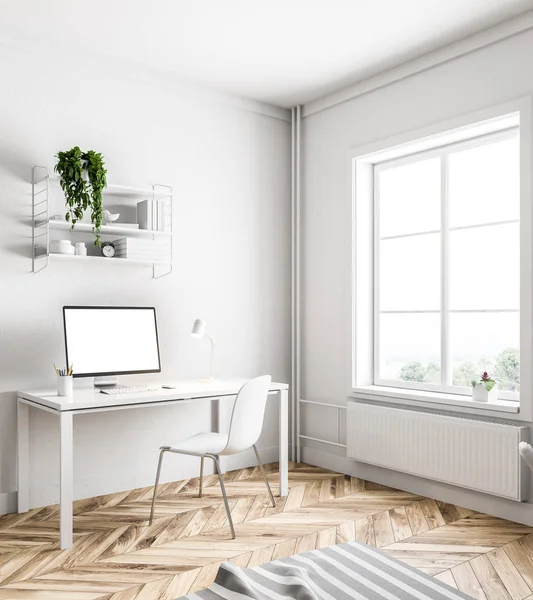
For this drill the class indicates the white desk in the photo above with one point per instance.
(88, 400)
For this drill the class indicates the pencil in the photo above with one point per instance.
(57, 372)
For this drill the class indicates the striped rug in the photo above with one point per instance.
(351, 571)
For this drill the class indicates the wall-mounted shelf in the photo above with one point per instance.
(108, 261)
(46, 192)
(106, 229)
(125, 191)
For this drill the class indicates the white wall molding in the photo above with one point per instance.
(520, 512)
(8, 500)
(247, 459)
(8, 503)
(447, 53)
(261, 108)
(126, 70)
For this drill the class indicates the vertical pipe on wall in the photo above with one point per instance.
(297, 275)
(294, 398)
(33, 220)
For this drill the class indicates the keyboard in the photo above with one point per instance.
(134, 389)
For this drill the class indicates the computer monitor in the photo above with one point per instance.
(103, 341)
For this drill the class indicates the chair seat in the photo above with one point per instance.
(201, 443)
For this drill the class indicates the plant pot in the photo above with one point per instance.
(480, 394)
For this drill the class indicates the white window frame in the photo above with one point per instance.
(442, 153)
(361, 162)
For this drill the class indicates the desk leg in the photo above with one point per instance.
(23, 456)
(66, 480)
(283, 442)
(216, 425)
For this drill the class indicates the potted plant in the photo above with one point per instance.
(484, 388)
(82, 176)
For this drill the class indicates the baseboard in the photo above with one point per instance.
(8, 500)
(8, 503)
(247, 458)
(520, 512)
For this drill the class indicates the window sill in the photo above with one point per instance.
(403, 396)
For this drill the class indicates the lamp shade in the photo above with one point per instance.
(198, 328)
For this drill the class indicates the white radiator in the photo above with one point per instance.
(475, 454)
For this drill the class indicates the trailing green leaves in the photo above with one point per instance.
(82, 177)
(95, 166)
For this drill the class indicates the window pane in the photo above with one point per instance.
(484, 184)
(409, 198)
(410, 347)
(409, 272)
(484, 268)
(485, 342)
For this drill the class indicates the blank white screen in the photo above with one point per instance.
(111, 340)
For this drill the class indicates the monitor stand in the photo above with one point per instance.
(106, 381)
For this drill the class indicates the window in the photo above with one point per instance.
(441, 263)
(447, 266)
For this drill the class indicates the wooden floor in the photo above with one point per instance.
(116, 556)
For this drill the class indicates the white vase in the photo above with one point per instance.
(81, 249)
(480, 394)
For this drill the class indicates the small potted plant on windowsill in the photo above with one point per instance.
(484, 388)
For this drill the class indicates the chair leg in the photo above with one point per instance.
(156, 484)
(224, 495)
(201, 476)
(264, 476)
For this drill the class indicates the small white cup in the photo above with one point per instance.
(65, 385)
(81, 249)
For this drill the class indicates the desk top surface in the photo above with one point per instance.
(90, 398)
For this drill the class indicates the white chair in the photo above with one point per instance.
(244, 431)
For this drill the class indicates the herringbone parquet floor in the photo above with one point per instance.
(116, 556)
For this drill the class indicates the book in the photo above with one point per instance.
(145, 214)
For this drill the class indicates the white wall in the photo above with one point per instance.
(229, 167)
(486, 77)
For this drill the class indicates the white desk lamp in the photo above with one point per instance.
(198, 332)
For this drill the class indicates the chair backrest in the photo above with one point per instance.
(248, 414)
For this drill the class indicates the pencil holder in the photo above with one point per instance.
(64, 385)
